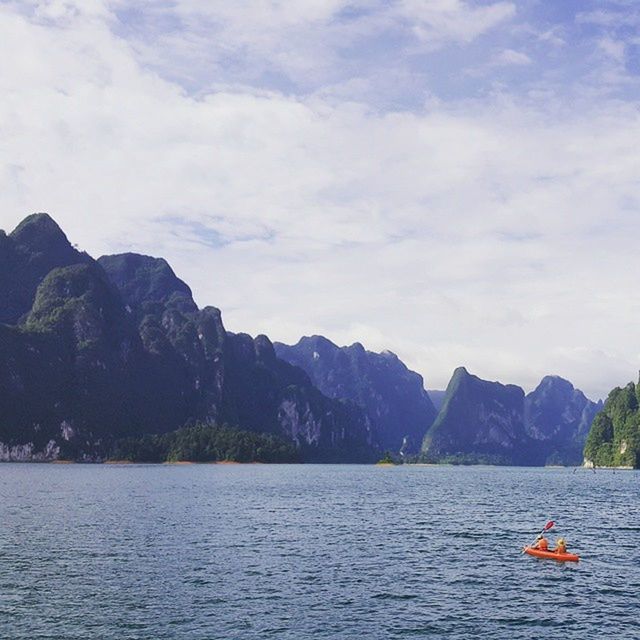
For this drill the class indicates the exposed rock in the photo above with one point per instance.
(27, 452)
(119, 348)
(482, 421)
(392, 396)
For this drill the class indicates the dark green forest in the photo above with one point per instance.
(205, 443)
(614, 439)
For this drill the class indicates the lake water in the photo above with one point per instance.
(258, 551)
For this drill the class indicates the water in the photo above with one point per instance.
(295, 552)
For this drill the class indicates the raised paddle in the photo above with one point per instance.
(546, 527)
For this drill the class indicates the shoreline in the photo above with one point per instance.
(370, 464)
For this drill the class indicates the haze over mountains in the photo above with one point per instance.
(94, 351)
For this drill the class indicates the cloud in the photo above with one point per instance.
(510, 57)
(495, 230)
(610, 18)
(613, 49)
(294, 47)
(438, 21)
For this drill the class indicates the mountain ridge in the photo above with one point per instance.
(392, 396)
(93, 351)
(100, 350)
(483, 421)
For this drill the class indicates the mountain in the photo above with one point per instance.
(232, 378)
(489, 422)
(614, 438)
(392, 396)
(96, 351)
(437, 397)
(73, 372)
(35, 247)
(479, 421)
(558, 417)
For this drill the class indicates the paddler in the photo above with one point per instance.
(541, 543)
(561, 546)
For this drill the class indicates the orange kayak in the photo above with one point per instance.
(551, 555)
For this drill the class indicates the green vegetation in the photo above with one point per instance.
(205, 443)
(614, 438)
(388, 458)
(465, 459)
(96, 352)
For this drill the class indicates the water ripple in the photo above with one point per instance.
(297, 552)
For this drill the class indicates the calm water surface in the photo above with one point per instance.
(213, 551)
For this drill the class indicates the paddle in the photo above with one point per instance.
(546, 527)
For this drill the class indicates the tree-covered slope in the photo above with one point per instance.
(392, 396)
(93, 352)
(205, 443)
(233, 378)
(27, 255)
(614, 438)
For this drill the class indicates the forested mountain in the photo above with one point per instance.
(614, 438)
(93, 351)
(94, 354)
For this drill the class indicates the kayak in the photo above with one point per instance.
(551, 555)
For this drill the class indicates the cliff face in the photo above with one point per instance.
(479, 421)
(71, 373)
(392, 396)
(94, 351)
(233, 378)
(558, 418)
(482, 421)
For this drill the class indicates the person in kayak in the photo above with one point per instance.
(561, 546)
(541, 543)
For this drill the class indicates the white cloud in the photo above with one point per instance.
(511, 57)
(302, 45)
(495, 233)
(610, 18)
(442, 20)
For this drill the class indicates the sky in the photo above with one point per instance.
(455, 181)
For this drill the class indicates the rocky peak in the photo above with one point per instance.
(35, 247)
(392, 395)
(555, 409)
(145, 280)
(265, 352)
(40, 233)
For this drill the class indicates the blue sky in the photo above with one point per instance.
(456, 181)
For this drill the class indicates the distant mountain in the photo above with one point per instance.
(558, 417)
(479, 421)
(95, 351)
(392, 396)
(437, 397)
(489, 422)
(614, 438)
